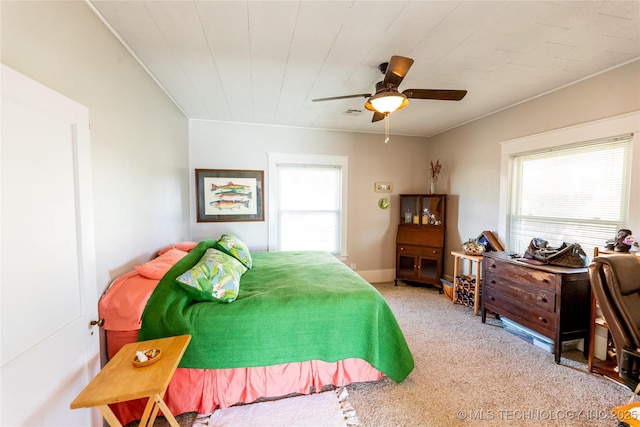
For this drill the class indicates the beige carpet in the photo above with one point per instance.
(473, 374)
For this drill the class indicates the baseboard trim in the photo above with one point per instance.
(378, 276)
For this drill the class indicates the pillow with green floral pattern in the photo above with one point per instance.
(216, 277)
(235, 247)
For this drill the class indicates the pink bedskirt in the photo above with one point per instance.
(205, 390)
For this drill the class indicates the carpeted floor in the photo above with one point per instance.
(473, 374)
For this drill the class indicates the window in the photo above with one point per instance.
(308, 202)
(577, 193)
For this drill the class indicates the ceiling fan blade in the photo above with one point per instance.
(332, 98)
(396, 70)
(440, 94)
(377, 117)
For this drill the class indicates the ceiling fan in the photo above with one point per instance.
(388, 99)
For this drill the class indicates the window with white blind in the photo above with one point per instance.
(577, 193)
(308, 202)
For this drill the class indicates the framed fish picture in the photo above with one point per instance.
(229, 195)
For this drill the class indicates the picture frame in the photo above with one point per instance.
(383, 187)
(229, 195)
(490, 241)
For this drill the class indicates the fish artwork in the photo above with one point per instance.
(230, 204)
(234, 196)
(230, 188)
(231, 196)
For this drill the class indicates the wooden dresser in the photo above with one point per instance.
(553, 301)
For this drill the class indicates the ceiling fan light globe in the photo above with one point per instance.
(387, 102)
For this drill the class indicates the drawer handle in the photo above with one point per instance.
(435, 252)
(493, 282)
(493, 266)
(402, 249)
(542, 299)
(545, 280)
(492, 298)
(542, 319)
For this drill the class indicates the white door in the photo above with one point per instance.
(48, 297)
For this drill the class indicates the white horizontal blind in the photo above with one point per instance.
(577, 193)
(309, 207)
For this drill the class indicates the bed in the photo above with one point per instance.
(296, 322)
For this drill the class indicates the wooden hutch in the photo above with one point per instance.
(420, 238)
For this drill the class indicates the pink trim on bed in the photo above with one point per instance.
(116, 339)
(205, 390)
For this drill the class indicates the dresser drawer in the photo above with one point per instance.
(526, 295)
(539, 320)
(523, 274)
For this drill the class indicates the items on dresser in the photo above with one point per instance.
(420, 238)
(553, 301)
(490, 241)
(566, 255)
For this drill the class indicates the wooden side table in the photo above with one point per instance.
(120, 381)
(473, 260)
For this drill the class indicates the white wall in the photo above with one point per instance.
(139, 139)
(471, 153)
(372, 231)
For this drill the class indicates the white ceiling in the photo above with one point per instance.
(264, 61)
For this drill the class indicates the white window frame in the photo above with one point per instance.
(623, 124)
(276, 159)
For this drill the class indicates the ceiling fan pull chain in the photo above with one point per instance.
(386, 127)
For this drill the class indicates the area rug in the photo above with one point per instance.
(327, 409)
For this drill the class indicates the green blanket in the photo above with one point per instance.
(292, 307)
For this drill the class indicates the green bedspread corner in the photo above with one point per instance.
(292, 307)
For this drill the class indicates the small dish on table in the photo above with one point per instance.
(146, 357)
